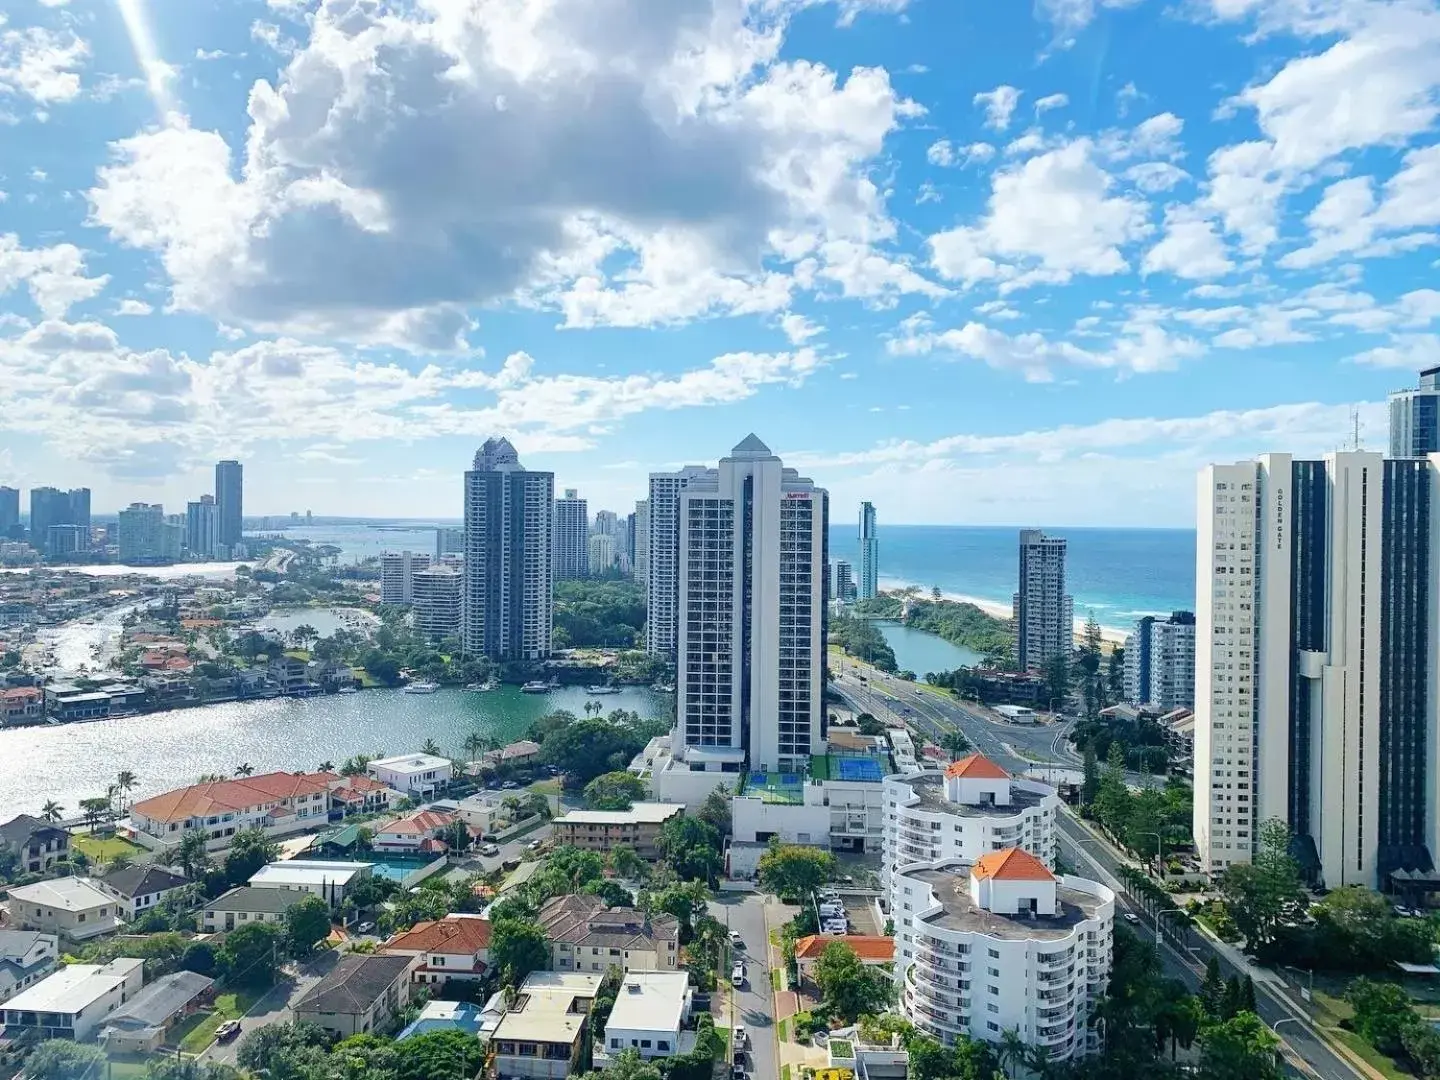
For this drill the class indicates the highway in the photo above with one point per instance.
(1018, 747)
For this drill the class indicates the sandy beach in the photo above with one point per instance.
(1002, 610)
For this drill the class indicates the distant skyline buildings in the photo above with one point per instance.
(51, 506)
(200, 523)
(868, 583)
(571, 555)
(9, 512)
(1042, 608)
(229, 505)
(1415, 417)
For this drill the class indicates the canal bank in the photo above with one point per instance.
(165, 750)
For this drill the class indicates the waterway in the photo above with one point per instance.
(165, 750)
(324, 621)
(919, 651)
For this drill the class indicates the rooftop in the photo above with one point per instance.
(785, 789)
(15, 945)
(1011, 864)
(641, 813)
(582, 919)
(227, 796)
(17, 831)
(411, 763)
(252, 900)
(74, 987)
(551, 1007)
(306, 872)
(156, 1003)
(976, 767)
(875, 950)
(959, 912)
(929, 788)
(132, 881)
(354, 984)
(420, 823)
(67, 893)
(454, 934)
(650, 1001)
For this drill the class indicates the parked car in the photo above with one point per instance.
(365, 928)
(489, 849)
(739, 1037)
(736, 940)
(227, 1031)
(534, 845)
(737, 975)
(1130, 917)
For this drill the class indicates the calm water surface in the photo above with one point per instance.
(71, 762)
(917, 651)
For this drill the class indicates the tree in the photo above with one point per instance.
(516, 949)
(125, 782)
(244, 769)
(306, 925)
(438, 1055)
(955, 742)
(1012, 1050)
(431, 747)
(1382, 1013)
(199, 957)
(1090, 787)
(627, 1065)
(1356, 930)
(65, 1059)
(191, 855)
(1057, 681)
(285, 1051)
(51, 811)
(251, 954)
(1212, 990)
(617, 790)
(250, 849)
(167, 1067)
(625, 863)
(848, 988)
(691, 848)
(792, 870)
(94, 809)
(1266, 892)
(1241, 1048)
(715, 811)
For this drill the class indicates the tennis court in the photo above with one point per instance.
(776, 787)
(863, 769)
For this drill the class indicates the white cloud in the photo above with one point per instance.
(999, 105)
(798, 329)
(1153, 177)
(41, 64)
(1048, 218)
(211, 54)
(946, 154)
(328, 225)
(1409, 351)
(1126, 96)
(54, 276)
(1071, 16)
(1051, 101)
(1191, 248)
(133, 307)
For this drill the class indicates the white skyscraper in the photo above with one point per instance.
(200, 520)
(640, 565)
(1316, 616)
(397, 575)
(602, 553)
(1160, 662)
(869, 580)
(572, 531)
(140, 533)
(751, 651)
(1044, 610)
(436, 592)
(509, 529)
(662, 556)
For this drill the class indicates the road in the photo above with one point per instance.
(891, 698)
(752, 1004)
(276, 1006)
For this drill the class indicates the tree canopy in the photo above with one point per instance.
(849, 989)
(617, 790)
(517, 947)
(795, 870)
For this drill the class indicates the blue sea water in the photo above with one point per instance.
(1118, 574)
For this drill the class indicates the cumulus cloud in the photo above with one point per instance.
(54, 276)
(41, 64)
(999, 105)
(633, 141)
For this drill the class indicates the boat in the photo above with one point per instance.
(663, 688)
(422, 688)
(597, 690)
(539, 686)
(348, 690)
(480, 687)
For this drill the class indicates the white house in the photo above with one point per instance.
(1003, 945)
(26, 957)
(74, 1002)
(651, 1008)
(74, 908)
(320, 877)
(543, 1030)
(413, 774)
(137, 888)
(455, 947)
(279, 803)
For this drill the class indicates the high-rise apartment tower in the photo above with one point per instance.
(229, 505)
(1044, 610)
(571, 553)
(868, 583)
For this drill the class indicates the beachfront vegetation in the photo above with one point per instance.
(957, 622)
(585, 748)
(862, 639)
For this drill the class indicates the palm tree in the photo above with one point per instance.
(593, 706)
(125, 783)
(191, 855)
(94, 809)
(51, 811)
(327, 766)
(244, 769)
(956, 742)
(431, 747)
(1011, 1051)
(472, 745)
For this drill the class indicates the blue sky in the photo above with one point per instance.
(979, 262)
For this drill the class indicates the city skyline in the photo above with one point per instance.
(991, 264)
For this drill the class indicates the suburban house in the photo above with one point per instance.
(140, 1025)
(292, 676)
(22, 705)
(585, 935)
(36, 844)
(651, 1008)
(543, 1030)
(417, 833)
(523, 752)
(484, 811)
(872, 951)
(26, 957)
(281, 803)
(413, 774)
(455, 947)
(74, 908)
(137, 889)
(75, 1001)
(246, 905)
(600, 830)
(320, 877)
(361, 994)
(362, 795)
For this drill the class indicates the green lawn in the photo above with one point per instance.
(1376, 1060)
(103, 850)
(198, 1031)
(128, 1068)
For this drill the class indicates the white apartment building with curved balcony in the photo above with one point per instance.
(972, 808)
(1003, 944)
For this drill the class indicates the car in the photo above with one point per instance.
(737, 1071)
(227, 1031)
(365, 928)
(533, 845)
(489, 849)
(739, 1037)
(737, 975)
(736, 940)
(510, 785)
(1130, 917)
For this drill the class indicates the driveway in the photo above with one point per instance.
(754, 1003)
(276, 1006)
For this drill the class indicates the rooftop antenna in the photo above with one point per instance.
(1354, 427)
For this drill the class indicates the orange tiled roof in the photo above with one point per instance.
(976, 767)
(876, 950)
(425, 822)
(1011, 864)
(452, 934)
(21, 693)
(219, 796)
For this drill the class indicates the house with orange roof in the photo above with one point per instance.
(455, 947)
(22, 705)
(419, 832)
(873, 951)
(280, 803)
(361, 794)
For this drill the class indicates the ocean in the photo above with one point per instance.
(1116, 574)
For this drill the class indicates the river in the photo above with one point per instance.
(919, 651)
(165, 750)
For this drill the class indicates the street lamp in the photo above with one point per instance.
(1166, 911)
(1159, 852)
